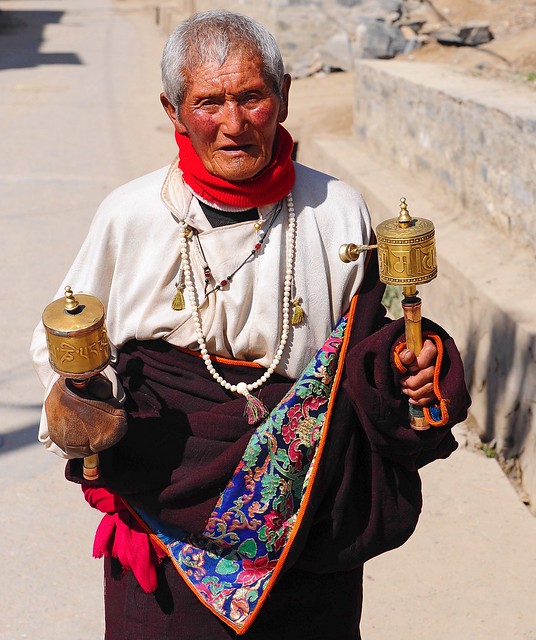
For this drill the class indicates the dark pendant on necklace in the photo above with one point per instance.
(261, 237)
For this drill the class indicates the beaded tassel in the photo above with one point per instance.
(255, 410)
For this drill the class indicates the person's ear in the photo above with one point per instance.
(283, 109)
(171, 112)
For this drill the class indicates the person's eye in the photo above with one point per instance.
(250, 98)
(209, 103)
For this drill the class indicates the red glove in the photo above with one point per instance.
(121, 536)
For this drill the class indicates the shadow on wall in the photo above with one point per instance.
(500, 369)
(21, 36)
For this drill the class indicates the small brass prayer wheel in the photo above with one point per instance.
(78, 346)
(406, 258)
(77, 341)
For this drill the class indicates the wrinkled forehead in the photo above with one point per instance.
(240, 59)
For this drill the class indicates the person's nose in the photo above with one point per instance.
(233, 121)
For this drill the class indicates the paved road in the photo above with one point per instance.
(79, 86)
(79, 115)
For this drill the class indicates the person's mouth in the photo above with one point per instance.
(238, 149)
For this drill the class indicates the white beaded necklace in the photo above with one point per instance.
(255, 408)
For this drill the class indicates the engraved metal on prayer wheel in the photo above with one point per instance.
(406, 249)
(78, 345)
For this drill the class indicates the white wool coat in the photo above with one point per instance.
(130, 260)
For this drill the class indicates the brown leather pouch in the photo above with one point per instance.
(84, 421)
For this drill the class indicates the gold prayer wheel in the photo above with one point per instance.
(406, 250)
(78, 346)
(406, 258)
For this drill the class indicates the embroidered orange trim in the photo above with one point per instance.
(318, 456)
(443, 402)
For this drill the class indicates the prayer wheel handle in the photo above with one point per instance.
(78, 346)
(407, 258)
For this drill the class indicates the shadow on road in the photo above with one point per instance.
(18, 438)
(21, 36)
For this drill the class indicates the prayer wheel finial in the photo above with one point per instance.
(404, 217)
(71, 303)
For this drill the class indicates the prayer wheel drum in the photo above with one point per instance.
(406, 250)
(78, 346)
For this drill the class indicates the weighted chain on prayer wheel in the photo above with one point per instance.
(407, 258)
(78, 346)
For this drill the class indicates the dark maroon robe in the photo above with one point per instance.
(186, 436)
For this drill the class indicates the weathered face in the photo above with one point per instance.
(230, 115)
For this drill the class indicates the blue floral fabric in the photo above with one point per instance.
(232, 565)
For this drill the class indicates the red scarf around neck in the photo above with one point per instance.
(270, 185)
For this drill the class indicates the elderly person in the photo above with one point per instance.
(257, 447)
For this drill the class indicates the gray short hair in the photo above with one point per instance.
(211, 36)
